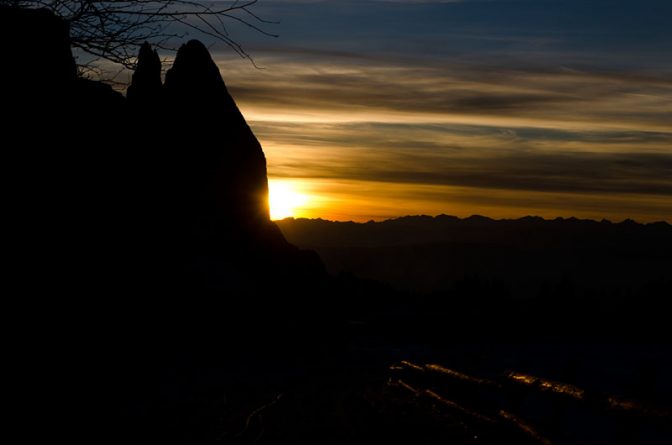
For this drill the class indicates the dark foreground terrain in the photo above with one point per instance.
(470, 392)
(359, 361)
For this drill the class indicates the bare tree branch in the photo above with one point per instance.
(113, 30)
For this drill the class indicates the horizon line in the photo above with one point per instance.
(478, 216)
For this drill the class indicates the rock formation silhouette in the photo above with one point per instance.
(146, 85)
(141, 227)
(227, 164)
(207, 176)
(151, 210)
(40, 75)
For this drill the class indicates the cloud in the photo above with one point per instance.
(468, 156)
(455, 93)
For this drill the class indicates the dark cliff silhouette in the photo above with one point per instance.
(64, 156)
(226, 183)
(44, 86)
(146, 85)
(169, 183)
(206, 174)
(140, 229)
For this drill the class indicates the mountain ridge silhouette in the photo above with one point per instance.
(445, 222)
(429, 254)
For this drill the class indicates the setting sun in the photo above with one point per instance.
(285, 199)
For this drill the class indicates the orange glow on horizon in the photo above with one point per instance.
(362, 201)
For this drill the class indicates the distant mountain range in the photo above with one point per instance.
(528, 255)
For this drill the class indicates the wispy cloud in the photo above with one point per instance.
(468, 156)
(455, 93)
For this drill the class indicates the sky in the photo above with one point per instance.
(504, 108)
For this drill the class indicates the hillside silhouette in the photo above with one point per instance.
(155, 302)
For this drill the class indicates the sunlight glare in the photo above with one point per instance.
(284, 199)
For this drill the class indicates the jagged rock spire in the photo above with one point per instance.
(209, 168)
(146, 84)
(221, 146)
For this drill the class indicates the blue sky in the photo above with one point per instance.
(377, 109)
(611, 33)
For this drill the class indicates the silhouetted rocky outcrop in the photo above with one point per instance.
(22, 32)
(63, 149)
(141, 228)
(145, 89)
(39, 75)
(207, 176)
(227, 167)
(157, 202)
